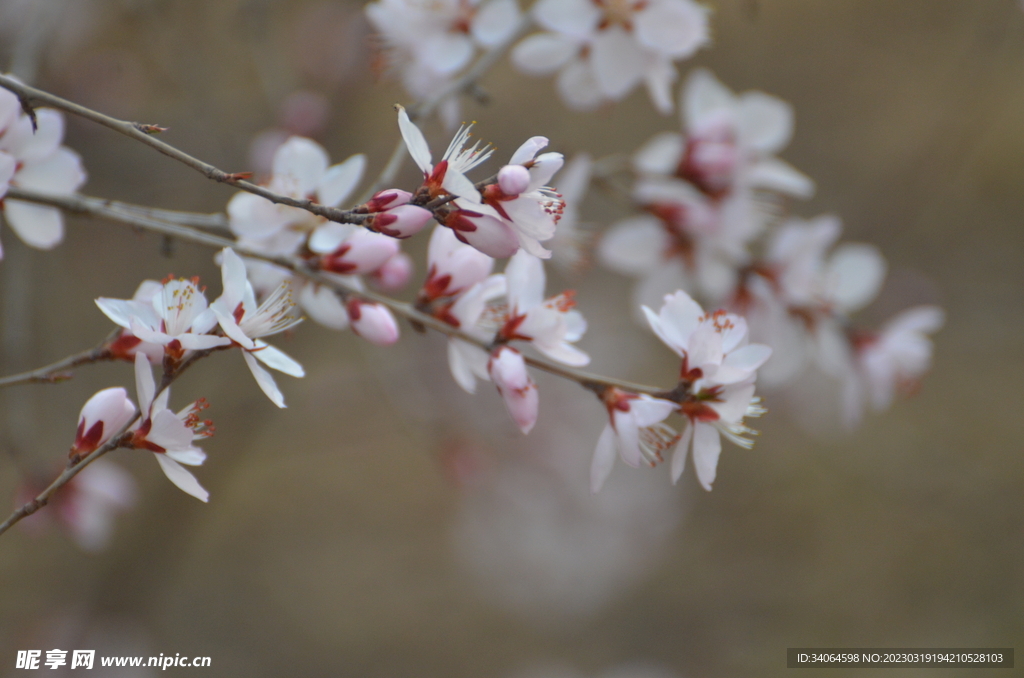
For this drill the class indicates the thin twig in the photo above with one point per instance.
(144, 134)
(97, 207)
(58, 371)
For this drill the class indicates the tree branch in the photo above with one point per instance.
(30, 96)
(58, 371)
(96, 207)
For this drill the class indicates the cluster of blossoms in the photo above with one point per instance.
(710, 201)
(167, 324)
(709, 223)
(428, 43)
(31, 157)
(601, 49)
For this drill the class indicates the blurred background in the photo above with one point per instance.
(388, 524)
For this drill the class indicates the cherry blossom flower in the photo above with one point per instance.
(634, 431)
(41, 164)
(507, 370)
(102, 416)
(550, 325)
(890, 361)
(453, 266)
(167, 435)
(801, 295)
(603, 49)
(729, 141)
(719, 367)
(178, 318)
(393, 274)
(701, 193)
(92, 499)
(245, 323)
(431, 42)
(126, 345)
(522, 199)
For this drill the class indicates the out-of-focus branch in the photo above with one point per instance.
(96, 207)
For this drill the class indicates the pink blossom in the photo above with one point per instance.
(507, 370)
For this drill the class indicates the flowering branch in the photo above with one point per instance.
(136, 216)
(120, 439)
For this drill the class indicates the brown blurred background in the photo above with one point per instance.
(387, 524)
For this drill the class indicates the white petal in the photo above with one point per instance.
(648, 411)
(277, 359)
(578, 87)
(495, 22)
(528, 150)
(60, 173)
(525, 274)
(775, 175)
(461, 371)
(446, 53)
(856, 272)
(37, 225)
(604, 459)
(576, 18)
(323, 306)
(329, 237)
(680, 317)
(415, 142)
(543, 53)
(660, 155)
(145, 386)
(921, 319)
(704, 96)
(707, 446)
(675, 28)
(28, 144)
(340, 180)
(680, 453)
(193, 456)
(301, 163)
(765, 122)
(197, 342)
(265, 381)
(736, 401)
(634, 246)
(170, 433)
(185, 481)
(456, 183)
(618, 63)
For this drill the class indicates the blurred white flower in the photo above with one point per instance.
(603, 49)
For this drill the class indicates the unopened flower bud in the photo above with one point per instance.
(400, 222)
(513, 179)
(373, 322)
(102, 416)
(394, 274)
(508, 371)
(387, 199)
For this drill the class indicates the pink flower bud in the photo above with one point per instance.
(361, 252)
(387, 199)
(513, 179)
(102, 416)
(508, 371)
(400, 222)
(394, 274)
(373, 322)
